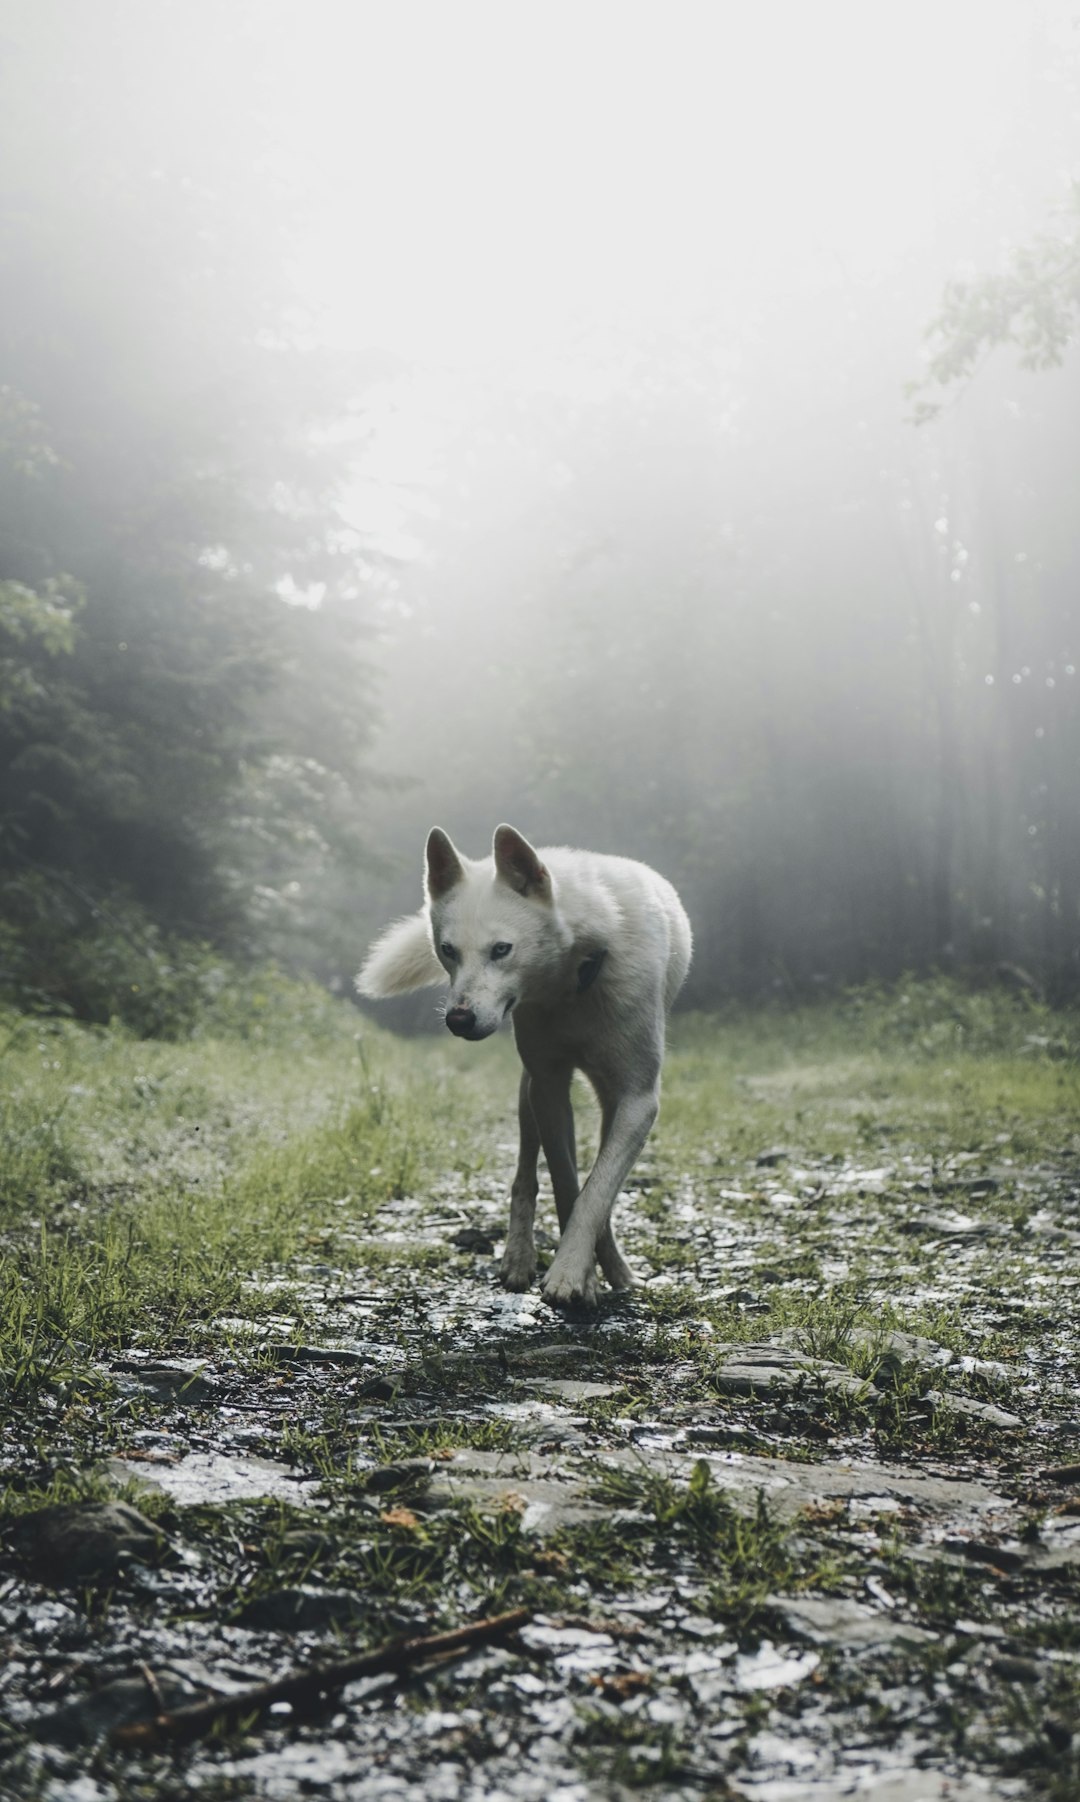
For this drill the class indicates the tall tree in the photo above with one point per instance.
(184, 696)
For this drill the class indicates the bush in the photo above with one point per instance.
(103, 960)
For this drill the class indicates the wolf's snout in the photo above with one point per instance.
(460, 1020)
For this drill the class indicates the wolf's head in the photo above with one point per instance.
(496, 931)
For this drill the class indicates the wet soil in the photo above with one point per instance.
(797, 1520)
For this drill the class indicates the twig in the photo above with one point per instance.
(302, 1686)
(153, 1686)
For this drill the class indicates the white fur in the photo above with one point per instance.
(599, 950)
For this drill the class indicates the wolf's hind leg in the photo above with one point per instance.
(611, 1261)
(518, 1267)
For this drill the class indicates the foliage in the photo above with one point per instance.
(44, 618)
(184, 699)
(1031, 304)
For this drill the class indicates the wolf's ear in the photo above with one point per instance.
(517, 864)
(443, 864)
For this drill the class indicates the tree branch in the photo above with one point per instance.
(398, 1655)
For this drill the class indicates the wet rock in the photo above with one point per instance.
(407, 1473)
(571, 1390)
(531, 1355)
(552, 1491)
(89, 1718)
(574, 1649)
(82, 1542)
(1061, 1473)
(955, 1227)
(1058, 1550)
(723, 1433)
(317, 1354)
(214, 1477)
(546, 1497)
(768, 1668)
(896, 1351)
(1058, 1731)
(1016, 1670)
(835, 1621)
(768, 1369)
(980, 1551)
(975, 1410)
(476, 1239)
(173, 1380)
(383, 1388)
(303, 1609)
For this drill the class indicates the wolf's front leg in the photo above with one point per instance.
(571, 1279)
(518, 1267)
(550, 1098)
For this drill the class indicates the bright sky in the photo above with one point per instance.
(479, 172)
(486, 183)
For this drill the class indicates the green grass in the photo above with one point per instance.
(148, 1189)
(145, 1186)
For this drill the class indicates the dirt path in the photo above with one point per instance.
(800, 1520)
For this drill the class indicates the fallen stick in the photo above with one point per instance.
(300, 1686)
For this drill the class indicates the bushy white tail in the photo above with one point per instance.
(402, 959)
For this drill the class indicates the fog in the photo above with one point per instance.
(656, 426)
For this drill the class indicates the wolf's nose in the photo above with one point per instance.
(460, 1020)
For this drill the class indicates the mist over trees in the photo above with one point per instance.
(769, 588)
(818, 665)
(182, 728)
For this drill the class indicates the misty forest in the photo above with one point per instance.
(657, 427)
(674, 576)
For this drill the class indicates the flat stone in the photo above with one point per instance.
(571, 1390)
(1057, 1550)
(770, 1368)
(768, 1668)
(835, 1621)
(172, 1380)
(545, 1501)
(317, 1354)
(975, 1410)
(552, 1353)
(214, 1477)
(554, 1490)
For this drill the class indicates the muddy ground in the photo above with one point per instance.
(798, 1520)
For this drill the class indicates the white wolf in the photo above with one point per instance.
(588, 952)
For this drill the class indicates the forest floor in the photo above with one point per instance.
(798, 1520)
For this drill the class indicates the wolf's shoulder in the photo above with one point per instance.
(616, 890)
(600, 869)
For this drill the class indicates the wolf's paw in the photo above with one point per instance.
(569, 1287)
(619, 1275)
(517, 1267)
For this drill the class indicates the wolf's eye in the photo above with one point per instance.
(502, 949)
(448, 952)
